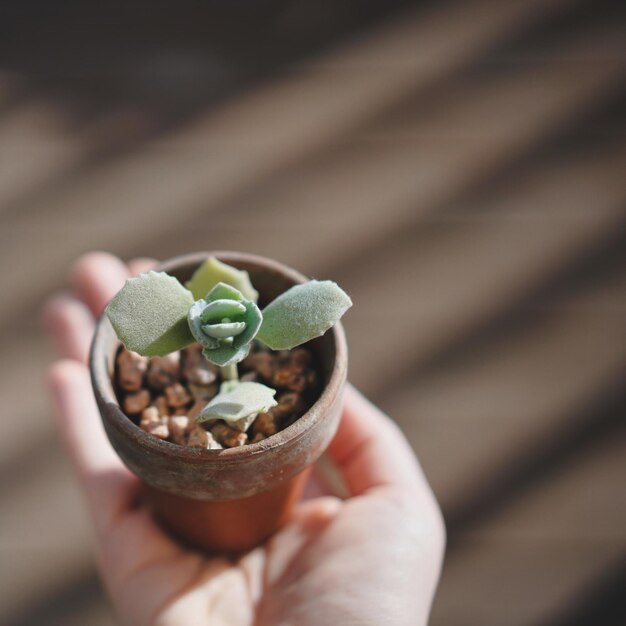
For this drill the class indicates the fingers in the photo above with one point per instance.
(371, 453)
(317, 510)
(96, 278)
(370, 450)
(140, 265)
(317, 484)
(107, 484)
(70, 324)
(133, 553)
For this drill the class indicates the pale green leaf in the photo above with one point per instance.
(219, 309)
(212, 272)
(238, 403)
(224, 330)
(302, 313)
(224, 343)
(149, 314)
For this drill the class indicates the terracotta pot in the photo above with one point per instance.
(234, 499)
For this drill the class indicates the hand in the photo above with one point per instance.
(373, 558)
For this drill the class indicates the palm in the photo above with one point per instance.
(317, 568)
(371, 559)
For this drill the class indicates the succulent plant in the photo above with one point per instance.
(224, 323)
(154, 314)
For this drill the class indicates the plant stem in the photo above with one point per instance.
(229, 372)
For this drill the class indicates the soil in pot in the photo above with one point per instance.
(163, 395)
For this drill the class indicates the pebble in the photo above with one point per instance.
(289, 403)
(227, 436)
(161, 404)
(264, 363)
(295, 378)
(195, 409)
(301, 357)
(264, 424)
(179, 426)
(136, 402)
(160, 430)
(196, 369)
(153, 423)
(131, 368)
(200, 438)
(176, 396)
(163, 371)
(185, 378)
(202, 392)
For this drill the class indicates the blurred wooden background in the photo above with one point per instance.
(463, 160)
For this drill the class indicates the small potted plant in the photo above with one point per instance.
(218, 396)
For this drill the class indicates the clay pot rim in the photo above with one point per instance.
(118, 419)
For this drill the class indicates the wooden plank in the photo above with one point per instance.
(83, 603)
(383, 178)
(462, 268)
(42, 525)
(88, 229)
(578, 336)
(93, 614)
(40, 145)
(92, 210)
(24, 156)
(195, 168)
(10, 88)
(475, 416)
(526, 564)
(455, 283)
(32, 429)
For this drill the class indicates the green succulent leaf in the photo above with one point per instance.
(302, 313)
(238, 403)
(149, 314)
(224, 323)
(225, 330)
(218, 309)
(212, 272)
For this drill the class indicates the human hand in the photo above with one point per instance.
(373, 558)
